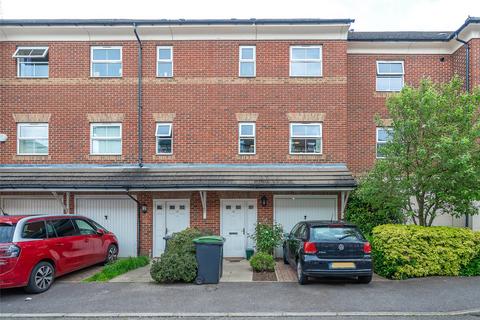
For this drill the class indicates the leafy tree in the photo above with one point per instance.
(432, 161)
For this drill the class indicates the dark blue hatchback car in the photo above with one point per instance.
(328, 249)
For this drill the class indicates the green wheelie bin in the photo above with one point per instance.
(209, 254)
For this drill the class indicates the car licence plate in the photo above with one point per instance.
(342, 265)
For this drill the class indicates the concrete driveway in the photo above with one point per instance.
(432, 295)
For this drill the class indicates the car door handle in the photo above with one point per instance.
(233, 233)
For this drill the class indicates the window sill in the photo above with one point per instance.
(306, 156)
(157, 157)
(384, 94)
(39, 157)
(32, 77)
(104, 157)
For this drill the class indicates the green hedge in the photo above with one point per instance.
(407, 251)
(178, 263)
(262, 261)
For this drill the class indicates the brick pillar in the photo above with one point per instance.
(146, 223)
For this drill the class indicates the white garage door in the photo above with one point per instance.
(291, 210)
(30, 205)
(116, 214)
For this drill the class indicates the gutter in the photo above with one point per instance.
(139, 98)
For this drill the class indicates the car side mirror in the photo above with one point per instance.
(286, 235)
(100, 232)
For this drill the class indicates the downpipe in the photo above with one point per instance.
(139, 98)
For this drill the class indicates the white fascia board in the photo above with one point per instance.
(396, 47)
(174, 32)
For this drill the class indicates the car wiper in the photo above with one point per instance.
(346, 236)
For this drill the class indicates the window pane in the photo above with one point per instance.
(26, 146)
(312, 69)
(313, 53)
(389, 83)
(163, 130)
(84, 227)
(113, 131)
(246, 130)
(312, 130)
(390, 68)
(113, 54)
(50, 230)
(38, 52)
(99, 54)
(26, 69)
(64, 227)
(34, 230)
(41, 70)
(305, 146)
(99, 69)
(99, 131)
(380, 146)
(247, 69)
(165, 69)
(164, 145)
(24, 51)
(29, 131)
(41, 146)
(247, 145)
(299, 53)
(247, 53)
(384, 134)
(306, 130)
(164, 54)
(106, 146)
(114, 69)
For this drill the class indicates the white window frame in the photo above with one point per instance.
(254, 60)
(164, 60)
(22, 124)
(106, 61)
(170, 136)
(380, 142)
(306, 137)
(306, 60)
(18, 57)
(387, 74)
(254, 136)
(110, 124)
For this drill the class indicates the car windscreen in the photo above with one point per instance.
(326, 233)
(6, 232)
(98, 225)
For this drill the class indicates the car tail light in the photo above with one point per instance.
(309, 247)
(367, 248)
(9, 251)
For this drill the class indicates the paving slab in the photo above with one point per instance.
(140, 275)
(236, 271)
(284, 272)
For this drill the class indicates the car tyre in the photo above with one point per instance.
(365, 279)
(302, 278)
(41, 278)
(112, 254)
(285, 259)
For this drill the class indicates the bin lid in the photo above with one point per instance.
(209, 240)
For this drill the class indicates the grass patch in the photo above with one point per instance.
(119, 267)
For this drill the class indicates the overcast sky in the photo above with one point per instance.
(381, 15)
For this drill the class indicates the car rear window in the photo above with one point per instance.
(325, 233)
(34, 230)
(6, 232)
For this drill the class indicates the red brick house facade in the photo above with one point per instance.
(306, 98)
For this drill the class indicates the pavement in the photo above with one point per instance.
(439, 296)
(236, 270)
(140, 275)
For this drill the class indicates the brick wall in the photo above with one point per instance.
(364, 103)
(205, 94)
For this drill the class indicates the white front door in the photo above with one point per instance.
(170, 216)
(238, 219)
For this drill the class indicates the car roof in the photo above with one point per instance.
(326, 223)
(14, 219)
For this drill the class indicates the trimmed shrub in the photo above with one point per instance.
(178, 263)
(407, 251)
(262, 261)
(267, 237)
(366, 217)
(472, 269)
(174, 267)
(183, 241)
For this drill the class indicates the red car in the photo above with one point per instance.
(36, 249)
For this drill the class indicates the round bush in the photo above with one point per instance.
(174, 267)
(262, 261)
(407, 251)
(183, 241)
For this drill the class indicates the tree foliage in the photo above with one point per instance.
(432, 163)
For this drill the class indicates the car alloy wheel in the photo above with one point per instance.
(44, 277)
(112, 253)
(302, 278)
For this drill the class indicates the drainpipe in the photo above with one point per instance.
(467, 83)
(140, 128)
